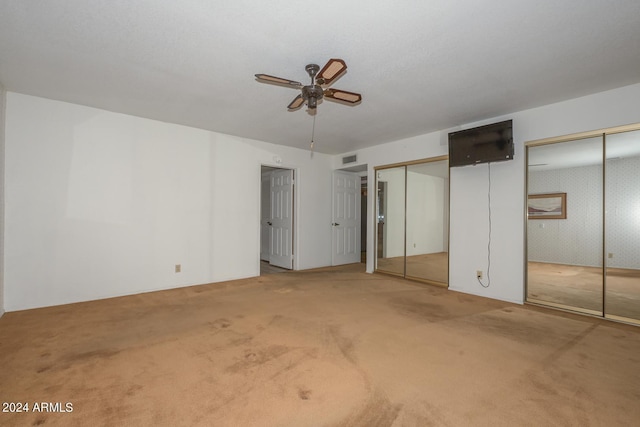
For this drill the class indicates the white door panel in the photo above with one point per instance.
(265, 215)
(281, 221)
(346, 218)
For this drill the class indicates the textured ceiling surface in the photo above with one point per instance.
(420, 66)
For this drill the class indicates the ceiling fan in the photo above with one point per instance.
(319, 87)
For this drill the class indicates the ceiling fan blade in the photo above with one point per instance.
(343, 95)
(331, 71)
(265, 78)
(297, 102)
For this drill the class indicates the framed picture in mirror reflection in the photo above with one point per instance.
(547, 206)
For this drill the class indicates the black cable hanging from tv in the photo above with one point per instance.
(489, 241)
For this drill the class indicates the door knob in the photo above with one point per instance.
(269, 222)
(335, 224)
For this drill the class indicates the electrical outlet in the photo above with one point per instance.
(610, 254)
(479, 274)
(178, 268)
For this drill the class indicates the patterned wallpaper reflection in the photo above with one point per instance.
(623, 212)
(578, 239)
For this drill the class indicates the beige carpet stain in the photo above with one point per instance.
(326, 347)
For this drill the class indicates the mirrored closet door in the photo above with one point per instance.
(583, 223)
(413, 220)
(564, 227)
(390, 190)
(622, 226)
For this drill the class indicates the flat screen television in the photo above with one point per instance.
(484, 144)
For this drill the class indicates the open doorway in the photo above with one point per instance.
(276, 220)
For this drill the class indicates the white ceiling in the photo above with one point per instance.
(421, 66)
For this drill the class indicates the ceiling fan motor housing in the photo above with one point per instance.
(311, 94)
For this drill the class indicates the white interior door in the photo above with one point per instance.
(346, 218)
(265, 215)
(281, 221)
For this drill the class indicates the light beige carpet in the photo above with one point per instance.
(330, 347)
(582, 287)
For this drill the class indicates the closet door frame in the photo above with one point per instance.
(375, 219)
(602, 133)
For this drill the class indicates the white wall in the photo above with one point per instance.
(100, 204)
(469, 187)
(3, 96)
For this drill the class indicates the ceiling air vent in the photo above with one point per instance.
(349, 159)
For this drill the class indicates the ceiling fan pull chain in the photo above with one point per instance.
(313, 129)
